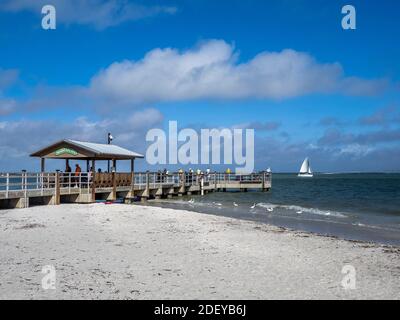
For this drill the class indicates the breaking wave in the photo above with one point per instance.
(301, 210)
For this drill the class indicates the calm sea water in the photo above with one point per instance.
(351, 206)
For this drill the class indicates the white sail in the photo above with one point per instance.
(305, 170)
(305, 167)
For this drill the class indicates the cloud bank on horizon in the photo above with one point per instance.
(278, 149)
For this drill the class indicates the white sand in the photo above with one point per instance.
(135, 252)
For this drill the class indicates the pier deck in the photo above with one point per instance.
(20, 190)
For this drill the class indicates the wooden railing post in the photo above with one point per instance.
(263, 181)
(132, 178)
(202, 185)
(92, 175)
(114, 185)
(147, 192)
(57, 189)
(41, 183)
(23, 179)
(24, 188)
(7, 184)
(132, 184)
(215, 180)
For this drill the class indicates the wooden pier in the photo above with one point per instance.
(20, 190)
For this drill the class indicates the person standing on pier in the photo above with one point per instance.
(67, 177)
(68, 168)
(78, 171)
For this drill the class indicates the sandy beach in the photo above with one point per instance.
(137, 252)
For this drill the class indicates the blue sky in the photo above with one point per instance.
(286, 68)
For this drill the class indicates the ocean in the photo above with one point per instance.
(357, 206)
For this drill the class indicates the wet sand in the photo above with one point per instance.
(139, 252)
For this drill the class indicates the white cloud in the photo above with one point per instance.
(145, 118)
(97, 13)
(212, 70)
(209, 71)
(356, 150)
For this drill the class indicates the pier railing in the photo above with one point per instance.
(67, 183)
(26, 181)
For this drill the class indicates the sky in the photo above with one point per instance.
(285, 68)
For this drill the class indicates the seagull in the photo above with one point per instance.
(299, 211)
(253, 206)
(235, 204)
(270, 209)
(191, 201)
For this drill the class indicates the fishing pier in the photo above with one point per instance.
(23, 189)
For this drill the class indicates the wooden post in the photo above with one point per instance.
(147, 191)
(202, 185)
(114, 180)
(182, 183)
(24, 188)
(114, 186)
(93, 175)
(87, 166)
(264, 187)
(57, 187)
(114, 164)
(42, 164)
(132, 178)
(148, 180)
(7, 184)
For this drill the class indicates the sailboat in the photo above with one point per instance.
(305, 170)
